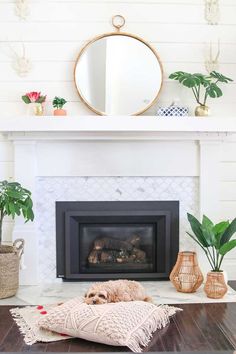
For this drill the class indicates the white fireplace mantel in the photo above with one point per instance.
(116, 127)
(114, 146)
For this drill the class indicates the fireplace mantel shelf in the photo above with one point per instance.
(119, 127)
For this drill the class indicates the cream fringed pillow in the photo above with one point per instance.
(128, 324)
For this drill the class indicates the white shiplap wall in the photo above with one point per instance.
(56, 29)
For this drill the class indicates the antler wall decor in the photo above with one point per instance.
(212, 12)
(20, 63)
(22, 9)
(212, 61)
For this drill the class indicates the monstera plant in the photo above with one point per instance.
(202, 86)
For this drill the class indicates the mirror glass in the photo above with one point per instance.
(118, 75)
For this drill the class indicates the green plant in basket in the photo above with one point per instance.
(214, 239)
(14, 200)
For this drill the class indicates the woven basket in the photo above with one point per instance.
(186, 275)
(215, 287)
(9, 268)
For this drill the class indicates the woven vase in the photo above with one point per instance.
(186, 275)
(9, 268)
(215, 287)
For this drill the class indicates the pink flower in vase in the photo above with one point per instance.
(33, 96)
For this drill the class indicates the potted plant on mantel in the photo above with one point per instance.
(35, 102)
(215, 240)
(14, 200)
(58, 103)
(197, 82)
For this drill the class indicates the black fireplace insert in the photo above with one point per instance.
(116, 240)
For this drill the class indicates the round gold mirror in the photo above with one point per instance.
(118, 73)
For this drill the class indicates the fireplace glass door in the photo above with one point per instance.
(117, 248)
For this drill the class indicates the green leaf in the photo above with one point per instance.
(29, 215)
(214, 91)
(177, 75)
(227, 247)
(220, 227)
(12, 209)
(229, 232)
(26, 99)
(17, 209)
(220, 77)
(218, 230)
(28, 202)
(41, 99)
(207, 222)
(207, 230)
(190, 80)
(14, 194)
(58, 102)
(197, 230)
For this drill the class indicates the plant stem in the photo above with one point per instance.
(206, 252)
(196, 97)
(214, 255)
(1, 220)
(222, 257)
(205, 98)
(211, 257)
(198, 92)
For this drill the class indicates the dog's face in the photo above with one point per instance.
(96, 297)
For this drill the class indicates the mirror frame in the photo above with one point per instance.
(109, 34)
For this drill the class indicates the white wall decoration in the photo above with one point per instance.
(20, 62)
(212, 60)
(22, 9)
(212, 12)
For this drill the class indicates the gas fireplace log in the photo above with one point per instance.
(109, 250)
(134, 240)
(112, 244)
(94, 257)
(113, 256)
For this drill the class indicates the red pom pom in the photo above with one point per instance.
(40, 307)
(43, 312)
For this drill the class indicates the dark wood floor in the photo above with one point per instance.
(200, 327)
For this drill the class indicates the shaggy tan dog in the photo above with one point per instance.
(116, 291)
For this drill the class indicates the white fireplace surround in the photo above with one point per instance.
(183, 189)
(49, 148)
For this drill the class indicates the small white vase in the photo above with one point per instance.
(35, 109)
